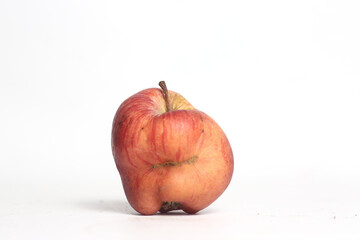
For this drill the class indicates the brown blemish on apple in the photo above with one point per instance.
(202, 131)
(121, 120)
(169, 206)
(191, 160)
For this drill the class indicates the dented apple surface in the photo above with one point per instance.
(169, 155)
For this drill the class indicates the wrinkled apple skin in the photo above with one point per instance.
(179, 156)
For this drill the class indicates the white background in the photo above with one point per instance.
(282, 78)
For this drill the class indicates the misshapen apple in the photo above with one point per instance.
(169, 155)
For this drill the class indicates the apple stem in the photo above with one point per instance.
(162, 84)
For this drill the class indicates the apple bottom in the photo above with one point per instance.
(170, 187)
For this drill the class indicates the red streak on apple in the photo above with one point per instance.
(169, 155)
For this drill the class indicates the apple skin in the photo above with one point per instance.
(180, 157)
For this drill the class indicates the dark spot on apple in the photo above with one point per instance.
(191, 160)
(201, 118)
(202, 131)
(119, 123)
(142, 128)
(169, 206)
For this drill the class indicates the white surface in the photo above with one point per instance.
(280, 77)
(253, 208)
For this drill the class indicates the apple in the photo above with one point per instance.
(169, 155)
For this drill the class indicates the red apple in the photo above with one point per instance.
(169, 155)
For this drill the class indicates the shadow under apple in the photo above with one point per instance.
(123, 207)
(119, 206)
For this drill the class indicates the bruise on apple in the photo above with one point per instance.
(175, 163)
(169, 206)
(169, 160)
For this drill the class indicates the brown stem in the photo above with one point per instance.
(162, 84)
